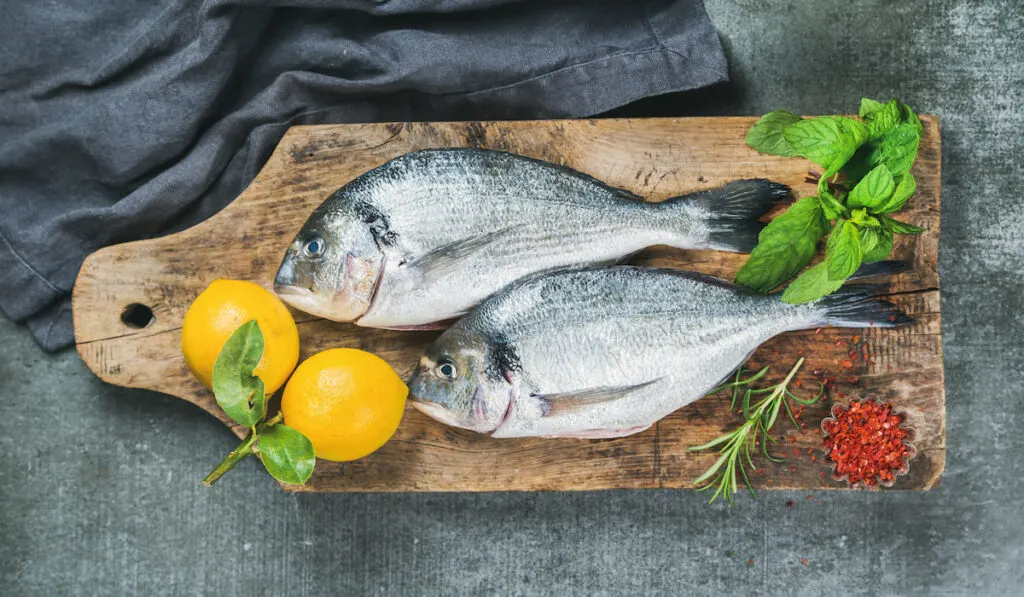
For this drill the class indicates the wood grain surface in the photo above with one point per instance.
(655, 158)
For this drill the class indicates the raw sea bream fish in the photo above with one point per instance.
(427, 236)
(607, 351)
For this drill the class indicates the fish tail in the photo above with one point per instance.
(730, 213)
(860, 307)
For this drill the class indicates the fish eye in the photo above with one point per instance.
(447, 370)
(314, 247)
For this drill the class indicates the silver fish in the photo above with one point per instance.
(427, 236)
(607, 351)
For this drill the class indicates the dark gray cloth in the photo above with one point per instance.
(124, 119)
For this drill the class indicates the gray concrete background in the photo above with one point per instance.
(99, 485)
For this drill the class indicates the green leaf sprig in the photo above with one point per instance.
(758, 419)
(286, 453)
(866, 178)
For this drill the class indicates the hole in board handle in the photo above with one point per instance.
(137, 316)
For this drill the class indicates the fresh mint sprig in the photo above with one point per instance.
(866, 178)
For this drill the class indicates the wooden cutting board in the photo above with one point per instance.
(655, 158)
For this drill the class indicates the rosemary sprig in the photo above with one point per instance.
(759, 418)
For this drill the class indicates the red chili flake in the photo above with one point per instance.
(750, 562)
(892, 318)
(804, 561)
(792, 469)
(866, 442)
(845, 364)
(789, 503)
(822, 474)
(810, 497)
(856, 339)
(817, 331)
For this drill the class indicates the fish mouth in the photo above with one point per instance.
(432, 410)
(341, 308)
(439, 413)
(298, 297)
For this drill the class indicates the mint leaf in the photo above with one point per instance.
(766, 135)
(287, 454)
(897, 149)
(785, 246)
(855, 128)
(860, 217)
(898, 226)
(868, 107)
(904, 191)
(884, 119)
(811, 285)
(236, 390)
(829, 204)
(910, 117)
(826, 140)
(873, 191)
(843, 253)
(876, 244)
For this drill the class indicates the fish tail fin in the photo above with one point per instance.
(730, 213)
(860, 307)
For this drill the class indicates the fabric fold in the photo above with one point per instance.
(128, 120)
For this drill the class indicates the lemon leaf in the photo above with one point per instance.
(287, 454)
(237, 390)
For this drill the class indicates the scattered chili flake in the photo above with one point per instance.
(866, 442)
(750, 562)
(845, 364)
(856, 339)
(810, 497)
(804, 561)
(792, 469)
(822, 474)
(817, 331)
(789, 503)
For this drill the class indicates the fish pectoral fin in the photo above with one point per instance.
(444, 258)
(552, 404)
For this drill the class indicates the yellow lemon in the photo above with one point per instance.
(224, 306)
(348, 402)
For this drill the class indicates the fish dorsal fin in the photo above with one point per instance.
(443, 258)
(553, 404)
